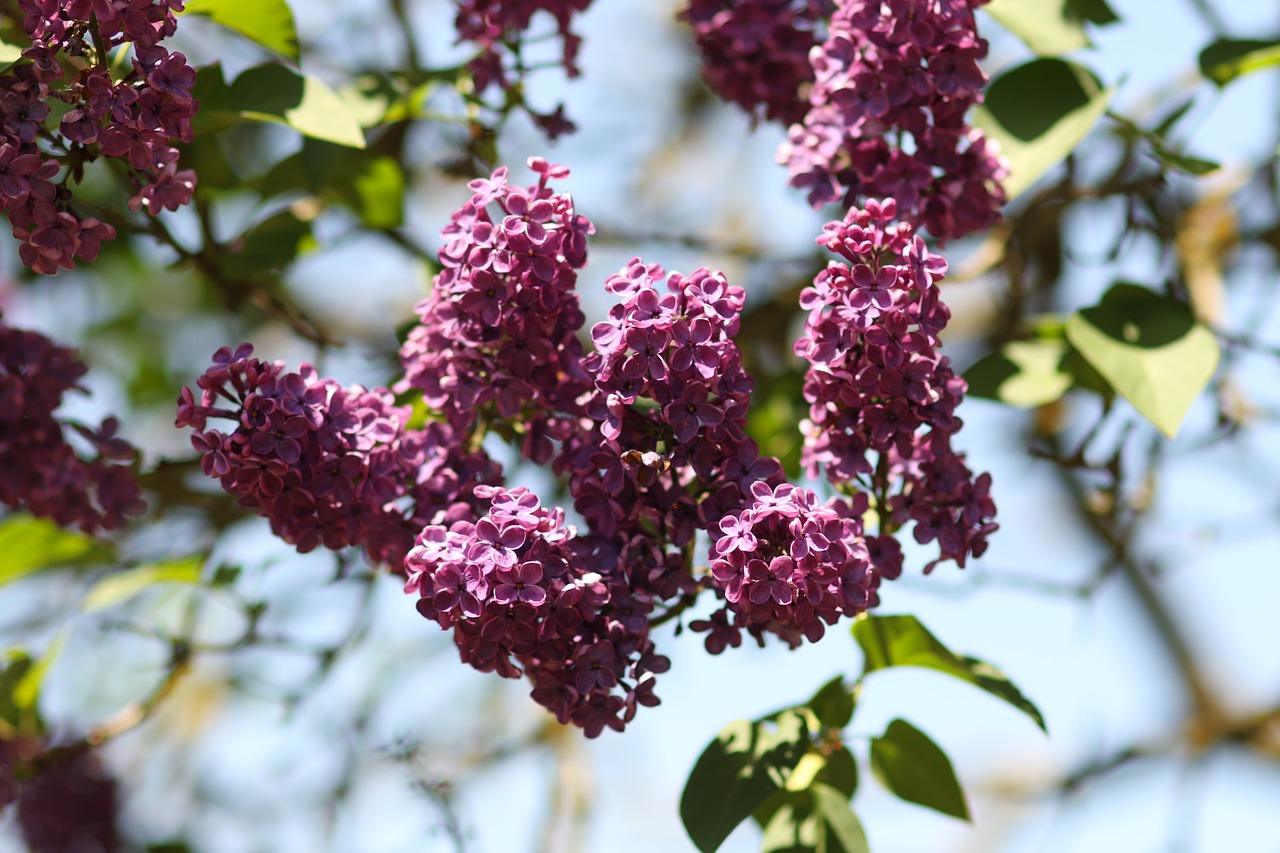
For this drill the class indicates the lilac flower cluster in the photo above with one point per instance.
(893, 81)
(498, 333)
(525, 595)
(497, 27)
(326, 464)
(668, 409)
(788, 564)
(39, 471)
(876, 384)
(755, 53)
(136, 119)
(71, 805)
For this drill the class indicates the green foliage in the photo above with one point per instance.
(1039, 112)
(119, 587)
(9, 53)
(268, 23)
(270, 245)
(1025, 374)
(916, 769)
(816, 820)
(833, 704)
(1227, 59)
(1048, 27)
(747, 763)
(888, 641)
(278, 94)
(29, 544)
(371, 185)
(1150, 350)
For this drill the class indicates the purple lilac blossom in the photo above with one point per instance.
(497, 27)
(137, 119)
(39, 471)
(788, 565)
(525, 595)
(882, 400)
(755, 53)
(498, 334)
(328, 465)
(886, 116)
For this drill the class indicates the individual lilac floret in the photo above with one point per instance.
(882, 399)
(788, 565)
(886, 117)
(525, 595)
(39, 471)
(328, 465)
(136, 117)
(755, 53)
(498, 333)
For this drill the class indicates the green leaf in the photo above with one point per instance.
(1026, 374)
(1048, 27)
(1039, 112)
(1096, 11)
(120, 587)
(1150, 349)
(370, 185)
(9, 53)
(888, 641)
(818, 820)
(268, 23)
(26, 692)
(916, 769)
(840, 771)
(270, 245)
(29, 544)
(1227, 59)
(746, 764)
(833, 704)
(15, 666)
(277, 93)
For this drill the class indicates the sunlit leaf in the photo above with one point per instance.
(277, 93)
(916, 769)
(1026, 374)
(29, 544)
(746, 764)
(120, 587)
(268, 23)
(816, 820)
(889, 641)
(1227, 59)
(1039, 112)
(26, 692)
(1048, 27)
(1150, 349)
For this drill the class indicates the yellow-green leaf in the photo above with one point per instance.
(1227, 59)
(1038, 113)
(277, 93)
(120, 587)
(268, 23)
(1048, 27)
(1150, 350)
(29, 544)
(1025, 374)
